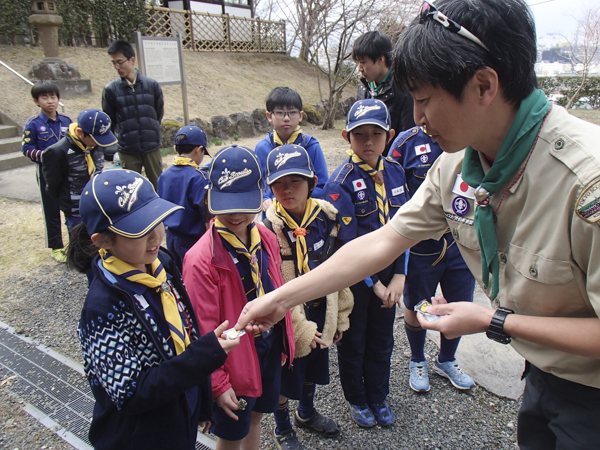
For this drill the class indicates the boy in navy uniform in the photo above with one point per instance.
(185, 184)
(367, 190)
(40, 132)
(432, 262)
(306, 229)
(284, 111)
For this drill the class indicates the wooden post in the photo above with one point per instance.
(228, 32)
(192, 30)
(284, 37)
(259, 36)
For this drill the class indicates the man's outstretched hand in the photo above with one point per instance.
(260, 314)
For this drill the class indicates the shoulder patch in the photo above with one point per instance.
(343, 172)
(588, 204)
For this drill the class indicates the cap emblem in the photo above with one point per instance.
(128, 194)
(104, 128)
(362, 110)
(229, 177)
(282, 158)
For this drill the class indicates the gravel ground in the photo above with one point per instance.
(45, 306)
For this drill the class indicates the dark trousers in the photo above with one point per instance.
(558, 414)
(51, 212)
(365, 351)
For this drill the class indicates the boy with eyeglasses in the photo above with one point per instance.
(135, 105)
(284, 111)
(519, 187)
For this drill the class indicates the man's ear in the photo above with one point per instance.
(269, 117)
(79, 132)
(487, 84)
(101, 241)
(345, 136)
(133, 60)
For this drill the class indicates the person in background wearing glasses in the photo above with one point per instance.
(135, 105)
(526, 219)
(372, 52)
(284, 111)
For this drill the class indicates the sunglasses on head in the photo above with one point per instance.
(429, 10)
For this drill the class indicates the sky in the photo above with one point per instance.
(557, 16)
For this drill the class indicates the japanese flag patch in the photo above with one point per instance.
(422, 149)
(462, 188)
(359, 184)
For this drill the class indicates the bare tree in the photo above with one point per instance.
(588, 30)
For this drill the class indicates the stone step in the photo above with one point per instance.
(8, 131)
(13, 160)
(10, 145)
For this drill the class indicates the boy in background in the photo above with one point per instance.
(284, 111)
(70, 163)
(185, 185)
(236, 262)
(367, 190)
(41, 131)
(372, 52)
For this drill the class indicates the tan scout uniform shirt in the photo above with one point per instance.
(547, 227)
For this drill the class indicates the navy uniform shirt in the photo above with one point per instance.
(185, 186)
(416, 151)
(352, 192)
(41, 132)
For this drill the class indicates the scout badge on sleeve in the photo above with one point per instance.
(420, 307)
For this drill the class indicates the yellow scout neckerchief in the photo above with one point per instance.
(114, 265)
(88, 157)
(310, 214)
(290, 140)
(241, 249)
(183, 161)
(377, 177)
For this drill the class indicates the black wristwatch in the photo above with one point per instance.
(496, 330)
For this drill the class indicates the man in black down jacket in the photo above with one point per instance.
(135, 104)
(372, 51)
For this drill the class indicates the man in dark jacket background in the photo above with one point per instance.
(135, 104)
(372, 51)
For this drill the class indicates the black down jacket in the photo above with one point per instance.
(135, 112)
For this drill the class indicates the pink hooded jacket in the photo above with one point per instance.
(217, 294)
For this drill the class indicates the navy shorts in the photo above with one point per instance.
(268, 350)
(313, 367)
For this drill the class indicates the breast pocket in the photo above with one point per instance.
(538, 268)
(367, 218)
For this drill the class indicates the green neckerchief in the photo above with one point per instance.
(374, 89)
(514, 150)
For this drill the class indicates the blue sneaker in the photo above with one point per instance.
(419, 378)
(454, 373)
(362, 415)
(383, 413)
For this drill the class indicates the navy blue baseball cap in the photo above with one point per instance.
(97, 124)
(288, 159)
(235, 182)
(368, 112)
(191, 135)
(124, 202)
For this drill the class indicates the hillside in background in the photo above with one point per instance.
(218, 83)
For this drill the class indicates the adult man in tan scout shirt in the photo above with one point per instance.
(523, 203)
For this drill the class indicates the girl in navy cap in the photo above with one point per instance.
(233, 263)
(306, 229)
(147, 364)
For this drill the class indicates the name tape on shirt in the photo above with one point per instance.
(397, 191)
(359, 184)
(422, 149)
(462, 188)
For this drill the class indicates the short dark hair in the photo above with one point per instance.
(122, 47)
(374, 45)
(429, 54)
(44, 88)
(282, 97)
(81, 250)
(184, 149)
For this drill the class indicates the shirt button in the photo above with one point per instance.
(559, 144)
(310, 249)
(497, 303)
(455, 234)
(362, 211)
(307, 231)
(503, 258)
(533, 272)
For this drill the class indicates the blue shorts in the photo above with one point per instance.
(313, 367)
(268, 350)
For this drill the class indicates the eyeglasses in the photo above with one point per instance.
(293, 114)
(119, 62)
(429, 10)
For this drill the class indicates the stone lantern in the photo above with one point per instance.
(66, 76)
